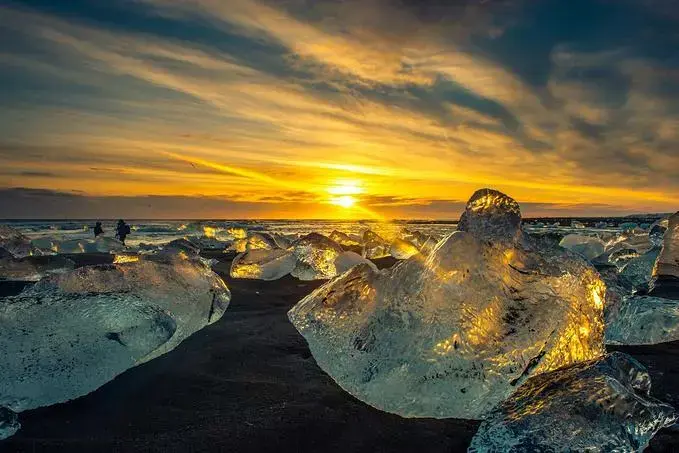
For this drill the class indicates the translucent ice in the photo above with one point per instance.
(9, 423)
(16, 243)
(452, 335)
(598, 406)
(263, 264)
(638, 271)
(643, 320)
(59, 346)
(401, 249)
(578, 225)
(348, 260)
(374, 246)
(316, 255)
(587, 246)
(346, 239)
(261, 241)
(668, 261)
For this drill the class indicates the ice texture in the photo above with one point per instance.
(452, 335)
(587, 246)
(643, 320)
(71, 333)
(316, 255)
(263, 264)
(348, 260)
(9, 423)
(16, 243)
(598, 406)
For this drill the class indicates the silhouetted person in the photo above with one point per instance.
(98, 229)
(122, 230)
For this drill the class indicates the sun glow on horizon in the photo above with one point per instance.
(345, 201)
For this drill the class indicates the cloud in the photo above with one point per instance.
(418, 100)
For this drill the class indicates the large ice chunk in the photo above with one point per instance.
(643, 320)
(9, 423)
(639, 271)
(316, 255)
(59, 346)
(261, 241)
(587, 246)
(452, 335)
(98, 245)
(263, 264)
(598, 406)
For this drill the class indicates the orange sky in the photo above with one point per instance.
(288, 114)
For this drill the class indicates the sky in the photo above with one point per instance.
(373, 109)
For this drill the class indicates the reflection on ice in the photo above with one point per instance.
(603, 406)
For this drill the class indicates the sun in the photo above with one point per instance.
(346, 201)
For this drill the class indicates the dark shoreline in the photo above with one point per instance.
(249, 384)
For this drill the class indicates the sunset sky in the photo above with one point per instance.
(336, 108)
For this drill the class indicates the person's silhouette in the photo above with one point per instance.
(98, 229)
(122, 230)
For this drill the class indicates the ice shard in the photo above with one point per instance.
(16, 243)
(453, 335)
(639, 271)
(374, 246)
(9, 423)
(263, 264)
(587, 246)
(402, 250)
(316, 255)
(599, 406)
(667, 264)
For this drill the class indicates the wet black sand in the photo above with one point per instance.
(248, 384)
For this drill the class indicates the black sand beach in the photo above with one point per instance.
(249, 384)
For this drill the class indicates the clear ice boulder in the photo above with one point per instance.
(458, 332)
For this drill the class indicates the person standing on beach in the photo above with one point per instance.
(98, 229)
(122, 230)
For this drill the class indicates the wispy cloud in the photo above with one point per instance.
(253, 98)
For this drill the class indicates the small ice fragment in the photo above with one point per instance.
(261, 241)
(587, 246)
(374, 246)
(346, 240)
(603, 405)
(643, 320)
(316, 255)
(263, 264)
(348, 260)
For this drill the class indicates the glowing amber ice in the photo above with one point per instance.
(456, 332)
